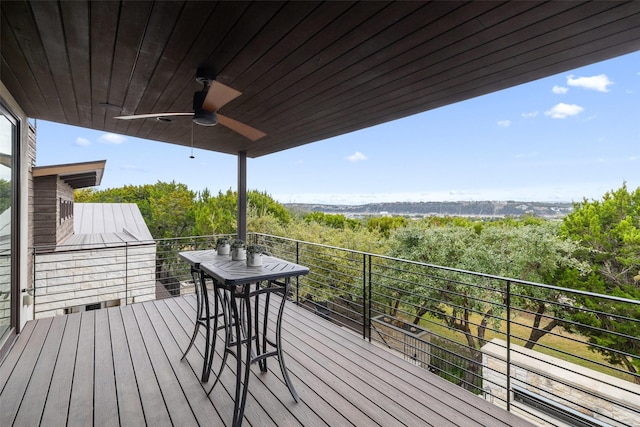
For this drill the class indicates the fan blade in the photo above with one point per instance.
(244, 130)
(150, 115)
(218, 95)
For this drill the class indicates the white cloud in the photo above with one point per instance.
(111, 138)
(83, 142)
(504, 123)
(562, 111)
(600, 82)
(357, 157)
(560, 90)
(530, 115)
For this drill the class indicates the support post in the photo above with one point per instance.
(242, 196)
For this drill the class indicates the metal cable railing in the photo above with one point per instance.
(570, 361)
(560, 356)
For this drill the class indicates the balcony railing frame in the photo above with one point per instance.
(361, 281)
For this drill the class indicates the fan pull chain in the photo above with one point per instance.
(192, 156)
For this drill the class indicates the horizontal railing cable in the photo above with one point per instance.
(497, 337)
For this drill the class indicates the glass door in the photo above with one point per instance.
(8, 135)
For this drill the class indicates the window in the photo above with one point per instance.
(8, 144)
(555, 409)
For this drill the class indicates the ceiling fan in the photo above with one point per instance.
(206, 103)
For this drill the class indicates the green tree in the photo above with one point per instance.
(218, 215)
(337, 221)
(261, 204)
(609, 232)
(215, 215)
(444, 246)
(526, 251)
(386, 224)
(340, 273)
(172, 210)
(531, 252)
(5, 195)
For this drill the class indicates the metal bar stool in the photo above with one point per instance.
(203, 318)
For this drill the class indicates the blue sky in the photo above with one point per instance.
(562, 138)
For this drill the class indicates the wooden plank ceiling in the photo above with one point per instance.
(307, 70)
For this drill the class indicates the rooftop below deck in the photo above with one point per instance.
(121, 366)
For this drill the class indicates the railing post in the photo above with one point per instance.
(509, 345)
(34, 283)
(365, 302)
(297, 278)
(126, 273)
(369, 301)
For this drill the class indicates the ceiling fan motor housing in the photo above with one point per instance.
(201, 116)
(205, 75)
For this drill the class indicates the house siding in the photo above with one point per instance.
(49, 224)
(31, 160)
(118, 275)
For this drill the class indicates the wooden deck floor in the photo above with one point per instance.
(121, 366)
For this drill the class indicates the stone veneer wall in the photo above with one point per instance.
(414, 345)
(589, 392)
(123, 274)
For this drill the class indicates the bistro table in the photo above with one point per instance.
(235, 281)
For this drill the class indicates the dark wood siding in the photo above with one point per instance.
(307, 70)
(45, 199)
(49, 228)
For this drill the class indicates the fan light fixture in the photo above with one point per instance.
(201, 116)
(205, 118)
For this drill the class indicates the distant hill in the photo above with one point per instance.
(481, 209)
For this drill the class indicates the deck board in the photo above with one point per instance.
(36, 392)
(363, 389)
(57, 405)
(177, 403)
(203, 410)
(432, 408)
(129, 405)
(104, 414)
(14, 356)
(153, 404)
(17, 382)
(121, 367)
(81, 404)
